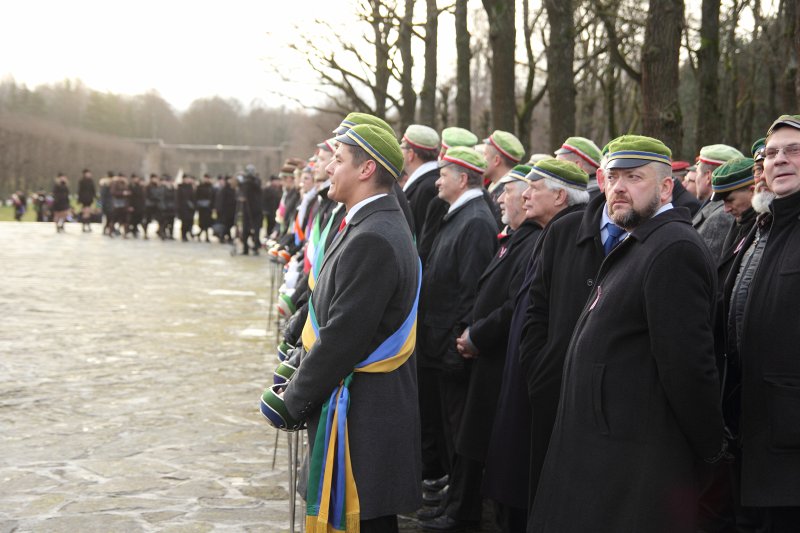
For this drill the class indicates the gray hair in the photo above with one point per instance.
(574, 196)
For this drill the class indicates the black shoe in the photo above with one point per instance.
(429, 513)
(435, 484)
(445, 523)
(435, 498)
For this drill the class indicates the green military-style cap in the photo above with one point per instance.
(452, 137)
(732, 175)
(535, 158)
(354, 119)
(583, 148)
(421, 137)
(466, 157)
(507, 144)
(718, 154)
(565, 172)
(327, 145)
(518, 173)
(378, 143)
(785, 120)
(632, 151)
(758, 148)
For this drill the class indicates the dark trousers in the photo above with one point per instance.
(452, 392)
(434, 456)
(464, 500)
(383, 524)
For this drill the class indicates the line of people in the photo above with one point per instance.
(604, 339)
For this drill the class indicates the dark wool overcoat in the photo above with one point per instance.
(507, 461)
(770, 358)
(365, 291)
(569, 258)
(461, 252)
(491, 318)
(419, 194)
(639, 402)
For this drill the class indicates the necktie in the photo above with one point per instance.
(342, 225)
(614, 237)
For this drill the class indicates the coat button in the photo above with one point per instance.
(589, 282)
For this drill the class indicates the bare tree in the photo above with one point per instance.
(427, 96)
(502, 39)
(409, 96)
(709, 123)
(529, 99)
(560, 79)
(463, 75)
(661, 110)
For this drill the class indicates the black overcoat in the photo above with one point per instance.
(639, 402)
(770, 358)
(419, 194)
(460, 253)
(569, 258)
(488, 330)
(365, 291)
(507, 461)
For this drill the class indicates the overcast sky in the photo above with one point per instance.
(183, 49)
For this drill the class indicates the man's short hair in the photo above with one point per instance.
(383, 178)
(703, 167)
(425, 155)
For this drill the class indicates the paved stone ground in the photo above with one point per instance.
(130, 373)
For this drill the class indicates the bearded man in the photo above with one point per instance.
(639, 405)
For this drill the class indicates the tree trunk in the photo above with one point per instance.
(427, 109)
(709, 124)
(731, 134)
(560, 80)
(661, 110)
(381, 61)
(502, 39)
(408, 94)
(463, 75)
(790, 41)
(609, 92)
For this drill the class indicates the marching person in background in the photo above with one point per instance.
(86, 197)
(204, 198)
(60, 202)
(136, 209)
(153, 200)
(252, 212)
(184, 200)
(120, 201)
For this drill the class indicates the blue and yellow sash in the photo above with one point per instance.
(316, 252)
(332, 498)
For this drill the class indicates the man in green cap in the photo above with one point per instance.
(763, 334)
(483, 343)
(733, 184)
(584, 153)
(502, 152)
(462, 249)
(556, 189)
(639, 403)
(366, 292)
(420, 147)
(711, 221)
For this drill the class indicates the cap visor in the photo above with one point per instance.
(628, 163)
(562, 151)
(344, 139)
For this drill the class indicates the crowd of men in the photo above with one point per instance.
(127, 206)
(597, 340)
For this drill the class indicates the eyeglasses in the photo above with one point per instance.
(789, 150)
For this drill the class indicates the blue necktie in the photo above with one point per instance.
(614, 237)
